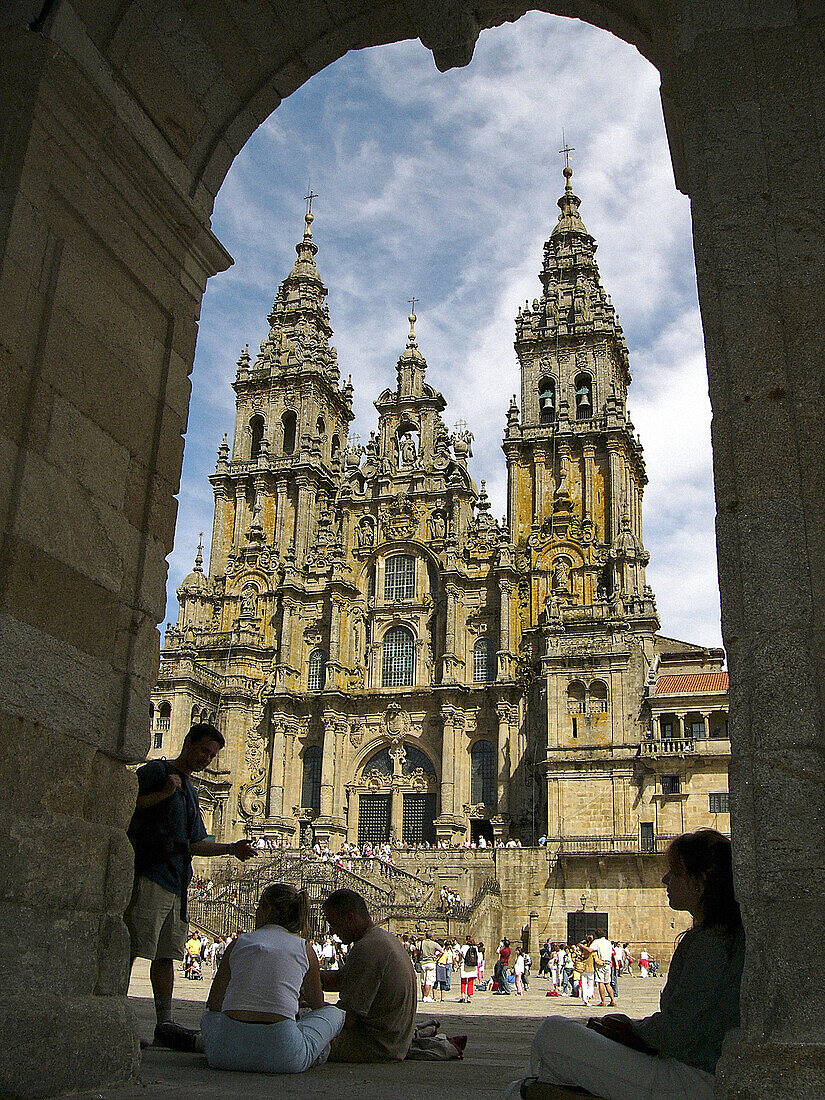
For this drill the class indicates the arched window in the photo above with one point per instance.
(398, 668)
(317, 670)
(256, 426)
(320, 426)
(164, 715)
(583, 387)
(484, 661)
(547, 400)
(483, 773)
(416, 760)
(195, 716)
(598, 697)
(311, 786)
(151, 713)
(380, 762)
(399, 578)
(576, 698)
(335, 448)
(290, 423)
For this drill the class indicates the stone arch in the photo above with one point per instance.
(69, 225)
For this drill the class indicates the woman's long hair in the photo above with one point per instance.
(707, 852)
(288, 907)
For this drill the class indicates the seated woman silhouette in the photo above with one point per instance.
(672, 1054)
(250, 1021)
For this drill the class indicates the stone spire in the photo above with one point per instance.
(574, 302)
(412, 366)
(300, 331)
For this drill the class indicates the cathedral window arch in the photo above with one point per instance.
(484, 661)
(398, 658)
(335, 447)
(164, 721)
(289, 423)
(311, 784)
(317, 676)
(547, 400)
(483, 773)
(320, 426)
(576, 697)
(583, 392)
(399, 578)
(416, 760)
(195, 715)
(598, 697)
(256, 428)
(380, 762)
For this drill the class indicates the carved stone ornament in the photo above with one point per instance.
(356, 734)
(303, 813)
(396, 722)
(400, 518)
(252, 797)
(477, 810)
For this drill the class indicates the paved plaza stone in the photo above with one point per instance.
(498, 1030)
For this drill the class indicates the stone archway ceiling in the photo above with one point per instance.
(208, 76)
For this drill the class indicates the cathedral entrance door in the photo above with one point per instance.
(480, 828)
(582, 922)
(374, 818)
(419, 816)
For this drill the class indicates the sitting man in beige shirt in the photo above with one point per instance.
(377, 985)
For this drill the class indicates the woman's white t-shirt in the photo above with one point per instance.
(267, 967)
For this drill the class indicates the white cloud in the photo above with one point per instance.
(445, 186)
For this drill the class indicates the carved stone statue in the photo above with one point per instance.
(561, 576)
(438, 527)
(366, 532)
(408, 451)
(249, 598)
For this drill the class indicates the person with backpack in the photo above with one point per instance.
(469, 969)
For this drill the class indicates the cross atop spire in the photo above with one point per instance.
(412, 302)
(566, 150)
(308, 199)
(199, 555)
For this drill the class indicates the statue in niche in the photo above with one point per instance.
(407, 449)
(438, 526)
(561, 576)
(249, 598)
(366, 531)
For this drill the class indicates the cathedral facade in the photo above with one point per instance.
(389, 661)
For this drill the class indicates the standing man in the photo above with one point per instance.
(601, 950)
(166, 831)
(377, 987)
(429, 951)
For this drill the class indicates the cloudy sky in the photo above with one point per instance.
(444, 186)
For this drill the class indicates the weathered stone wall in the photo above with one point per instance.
(119, 123)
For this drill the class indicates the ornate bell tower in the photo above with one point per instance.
(576, 477)
(575, 470)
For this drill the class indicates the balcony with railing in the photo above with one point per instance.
(581, 846)
(667, 746)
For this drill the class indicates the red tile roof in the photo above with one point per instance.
(692, 683)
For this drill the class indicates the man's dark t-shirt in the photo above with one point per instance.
(175, 818)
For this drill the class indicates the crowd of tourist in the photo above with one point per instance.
(266, 1010)
(573, 969)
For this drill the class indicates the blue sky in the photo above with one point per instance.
(444, 186)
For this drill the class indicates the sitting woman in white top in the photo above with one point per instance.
(250, 1021)
(672, 1054)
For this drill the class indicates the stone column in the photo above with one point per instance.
(449, 674)
(448, 714)
(541, 506)
(503, 759)
(304, 518)
(222, 525)
(281, 538)
(615, 472)
(105, 250)
(741, 102)
(588, 502)
(328, 766)
(275, 802)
